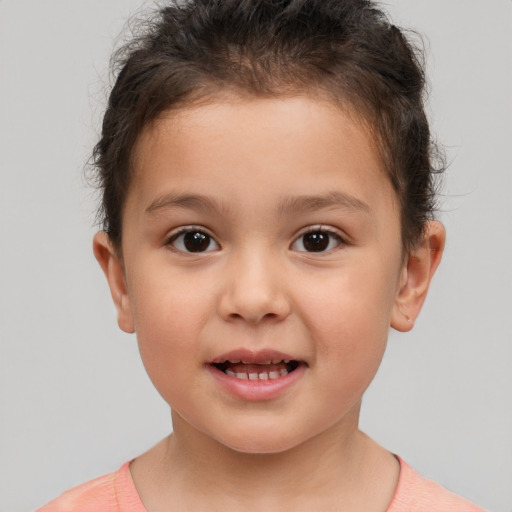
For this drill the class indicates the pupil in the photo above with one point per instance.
(316, 242)
(195, 241)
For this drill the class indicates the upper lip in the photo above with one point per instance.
(253, 357)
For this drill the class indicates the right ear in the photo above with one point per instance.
(113, 268)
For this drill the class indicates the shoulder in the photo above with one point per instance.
(417, 494)
(114, 492)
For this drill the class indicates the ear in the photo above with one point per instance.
(416, 276)
(112, 265)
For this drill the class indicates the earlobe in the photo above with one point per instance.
(112, 266)
(416, 277)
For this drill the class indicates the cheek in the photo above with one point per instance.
(349, 318)
(357, 306)
(169, 316)
(167, 306)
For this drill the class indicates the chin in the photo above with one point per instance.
(260, 442)
(261, 447)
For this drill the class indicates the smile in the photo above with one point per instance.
(266, 370)
(257, 376)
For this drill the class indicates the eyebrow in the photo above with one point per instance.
(330, 200)
(188, 201)
(286, 206)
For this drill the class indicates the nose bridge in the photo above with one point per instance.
(254, 286)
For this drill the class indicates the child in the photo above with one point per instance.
(268, 195)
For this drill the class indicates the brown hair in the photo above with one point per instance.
(194, 50)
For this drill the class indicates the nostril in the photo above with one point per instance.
(254, 317)
(252, 304)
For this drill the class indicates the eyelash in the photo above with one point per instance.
(208, 240)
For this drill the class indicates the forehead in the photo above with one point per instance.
(273, 146)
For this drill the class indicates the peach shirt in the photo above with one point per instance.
(116, 492)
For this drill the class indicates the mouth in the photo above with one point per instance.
(257, 376)
(271, 369)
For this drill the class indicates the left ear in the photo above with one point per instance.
(416, 276)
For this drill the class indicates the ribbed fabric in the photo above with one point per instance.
(116, 492)
(417, 494)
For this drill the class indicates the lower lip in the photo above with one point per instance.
(257, 390)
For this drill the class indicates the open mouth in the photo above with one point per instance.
(266, 370)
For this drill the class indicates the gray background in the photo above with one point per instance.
(74, 399)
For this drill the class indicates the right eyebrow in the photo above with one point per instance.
(190, 201)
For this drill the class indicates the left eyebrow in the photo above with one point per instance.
(331, 200)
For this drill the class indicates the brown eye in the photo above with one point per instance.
(317, 241)
(193, 241)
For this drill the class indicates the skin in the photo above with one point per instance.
(257, 287)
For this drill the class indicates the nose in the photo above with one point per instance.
(253, 290)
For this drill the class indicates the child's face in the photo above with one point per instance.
(256, 231)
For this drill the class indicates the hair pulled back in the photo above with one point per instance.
(196, 50)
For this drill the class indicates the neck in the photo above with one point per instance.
(227, 470)
(335, 467)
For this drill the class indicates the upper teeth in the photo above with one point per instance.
(258, 376)
(267, 361)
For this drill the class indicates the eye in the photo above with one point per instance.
(317, 240)
(193, 240)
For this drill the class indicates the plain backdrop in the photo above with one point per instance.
(75, 402)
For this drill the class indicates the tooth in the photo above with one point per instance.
(274, 375)
(286, 361)
(268, 361)
(253, 376)
(283, 372)
(234, 361)
(276, 361)
(245, 362)
(263, 376)
(242, 376)
(230, 373)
